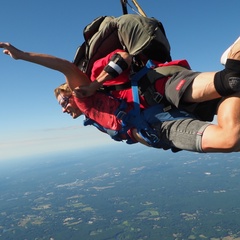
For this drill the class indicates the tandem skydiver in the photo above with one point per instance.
(202, 137)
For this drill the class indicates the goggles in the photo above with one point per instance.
(64, 101)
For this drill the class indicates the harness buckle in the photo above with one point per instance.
(157, 97)
(121, 115)
(167, 108)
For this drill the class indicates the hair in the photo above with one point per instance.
(63, 88)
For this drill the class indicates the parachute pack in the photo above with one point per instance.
(136, 34)
(140, 36)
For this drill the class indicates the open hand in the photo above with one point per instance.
(10, 50)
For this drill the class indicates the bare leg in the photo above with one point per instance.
(224, 137)
(202, 89)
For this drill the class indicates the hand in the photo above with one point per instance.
(86, 91)
(11, 50)
(83, 91)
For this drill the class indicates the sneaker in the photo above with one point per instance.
(229, 54)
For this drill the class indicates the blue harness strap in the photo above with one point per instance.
(144, 130)
(114, 134)
(134, 83)
(138, 119)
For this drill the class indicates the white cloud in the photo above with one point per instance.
(52, 140)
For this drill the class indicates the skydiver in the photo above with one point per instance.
(203, 137)
(195, 92)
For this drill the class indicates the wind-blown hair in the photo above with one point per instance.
(63, 88)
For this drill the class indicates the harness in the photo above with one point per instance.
(135, 118)
(139, 36)
(129, 119)
(143, 82)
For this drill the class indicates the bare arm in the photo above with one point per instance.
(102, 78)
(74, 77)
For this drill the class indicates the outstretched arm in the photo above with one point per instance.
(74, 77)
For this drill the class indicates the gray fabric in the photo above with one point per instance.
(175, 88)
(152, 76)
(177, 85)
(185, 134)
(133, 33)
(136, 32)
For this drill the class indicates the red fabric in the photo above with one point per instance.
(160, 83)
(181, 62)
(125, 94)
(99, 65)
(100, 108)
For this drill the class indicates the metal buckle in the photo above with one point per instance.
(166, 109)
(121, 114)
(157, 97)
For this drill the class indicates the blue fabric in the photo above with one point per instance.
(134, 82)
(156, 114)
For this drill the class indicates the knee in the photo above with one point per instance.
(232, 142)
(217, 139)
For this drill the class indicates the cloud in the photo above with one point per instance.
(52, 140)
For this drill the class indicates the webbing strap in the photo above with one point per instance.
(134, 83)
(140, 10)
(124, 6)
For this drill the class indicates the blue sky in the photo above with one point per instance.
(31, 120)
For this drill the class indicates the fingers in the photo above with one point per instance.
(5, 51)
(4, 45)
(79, 92)
(10, 50)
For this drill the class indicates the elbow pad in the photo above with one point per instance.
(116, 65)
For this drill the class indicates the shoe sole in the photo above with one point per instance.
(225, 54)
